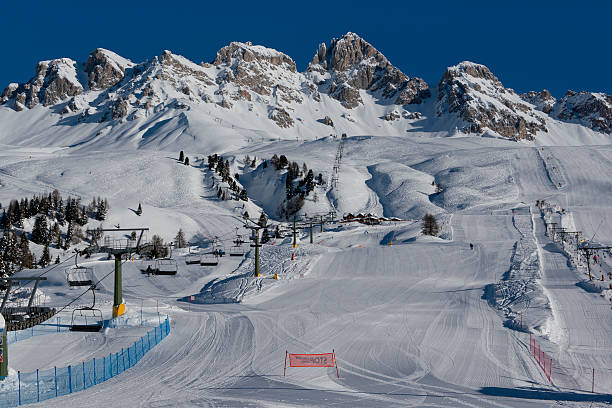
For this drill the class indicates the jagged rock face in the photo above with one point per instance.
(262, 70)
(55, 81)
(105, 68)
(181, 66)
(351, 63)
(543, 100)
(281, 117)
(472, 92)
(119, 109)
(591, 109)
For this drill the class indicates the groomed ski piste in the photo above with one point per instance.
(414, 320)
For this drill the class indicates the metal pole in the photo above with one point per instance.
(593, 385)
(118, 306)
(4, 362)
(311, 231)
(19, 380)
(37, 387)
(55, 377)
(257, 274)
(294, 234)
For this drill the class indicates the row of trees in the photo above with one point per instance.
(222, 168)
(184, 159)
(52, 206)
(50, 213)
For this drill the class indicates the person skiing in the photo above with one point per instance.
(471, 246)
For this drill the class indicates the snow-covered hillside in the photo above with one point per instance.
(447, 319)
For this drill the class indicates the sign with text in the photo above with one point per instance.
(311, 360)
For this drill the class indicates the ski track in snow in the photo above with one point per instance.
(411, 323)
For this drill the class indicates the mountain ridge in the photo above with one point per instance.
(348, 81)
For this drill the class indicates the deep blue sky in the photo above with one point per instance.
(529, 45)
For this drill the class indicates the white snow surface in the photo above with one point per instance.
(413, 320)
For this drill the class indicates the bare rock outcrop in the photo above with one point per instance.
(479, 99)
(281, 117)
(591, 109)
(543, 100)
(105, 69)
(350, 64)
(119, 109)
(55, 81)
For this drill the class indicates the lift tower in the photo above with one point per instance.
(588, 251)
(117, 248)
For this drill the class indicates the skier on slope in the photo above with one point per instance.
(471, 246)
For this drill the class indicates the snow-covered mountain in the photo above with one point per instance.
(252, 92)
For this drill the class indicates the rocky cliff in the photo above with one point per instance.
(55, 80)
(479, 99)
(590, 109)
(350, 64)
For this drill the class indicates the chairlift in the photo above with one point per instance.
(147, 266)
(166, 266)
(87, 319)
(79, 276)
(237, 249)
(192, 258)
(209, 259)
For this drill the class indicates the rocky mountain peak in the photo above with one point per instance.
(543, 100)
(105, 69)
(247, 52)
(350, 64)
(254, 72)
(479, 99)
(591, 109)
(55, 81)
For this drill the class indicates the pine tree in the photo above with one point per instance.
(429, 225)
(45, 259)
(263, 220)
(254, 162)
(243, 195)
(40, 233)
(25, 256)
(69, 235)
(57, 260)
(181, 156)
(186, 161)
(101, 210)
(245, 215)
(265, 236)
(139, 210)
(179, 240)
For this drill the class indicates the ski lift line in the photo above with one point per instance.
(88, 289)
(21, 285)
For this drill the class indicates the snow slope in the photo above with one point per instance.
(412, 323)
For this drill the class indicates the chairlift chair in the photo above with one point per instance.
(192, 258)
(236, 250)
(79, 276)
(209, 259)
(166, 266)
(148, 266)
(87, 319)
